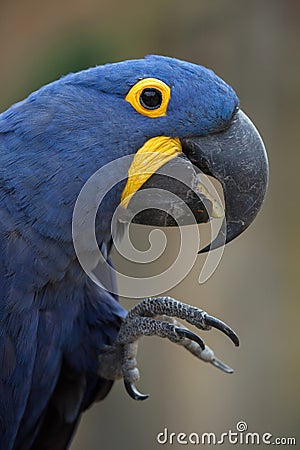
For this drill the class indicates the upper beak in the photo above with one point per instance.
(237, 158)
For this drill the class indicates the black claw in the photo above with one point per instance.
(133, 392)
(216, 323)
(182, 332)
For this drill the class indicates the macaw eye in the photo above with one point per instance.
(150, 97)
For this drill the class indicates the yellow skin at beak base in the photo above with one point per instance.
(148, 159)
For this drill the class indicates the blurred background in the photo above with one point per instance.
(255, 46)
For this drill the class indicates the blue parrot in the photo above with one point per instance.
(54, 319)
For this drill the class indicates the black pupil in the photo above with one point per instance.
(151, 98)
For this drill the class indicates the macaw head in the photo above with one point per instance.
(160, 110)
(182, 117)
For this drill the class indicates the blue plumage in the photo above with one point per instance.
(53, 319)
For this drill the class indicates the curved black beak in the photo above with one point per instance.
(237, 158)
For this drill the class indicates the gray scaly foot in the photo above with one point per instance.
(156, 317)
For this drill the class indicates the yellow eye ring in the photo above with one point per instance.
(150, 97)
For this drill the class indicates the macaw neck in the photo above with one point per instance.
(43, 192)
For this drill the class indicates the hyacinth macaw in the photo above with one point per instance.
(54, 320)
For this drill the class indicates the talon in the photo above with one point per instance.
(216, 323)
(182, 332)
(133, 392)
(220, 365)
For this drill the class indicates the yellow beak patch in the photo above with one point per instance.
(148, 159)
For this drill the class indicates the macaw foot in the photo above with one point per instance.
(156, 317)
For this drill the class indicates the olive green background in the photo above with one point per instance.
(255, 46)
